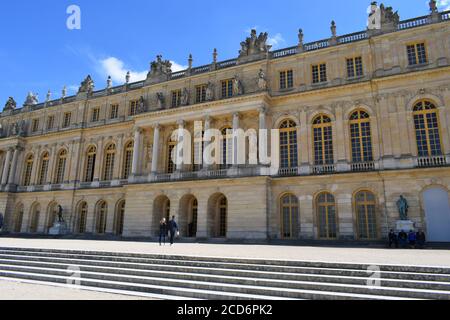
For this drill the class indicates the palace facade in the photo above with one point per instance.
(363, 119)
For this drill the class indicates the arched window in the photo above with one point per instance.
(323, 140)
(102, 210)
(110, 157)
(366, 215)
(226, 147)
(326, 216)
(288, 144)
(170, 149)
(360, 135)
(223, 209)
(28, 170)
(289, 216)
(43, 169)
(61, 166)
(128, 160)
(426, 122)
(120, 215)
(82, 217)
(90, 164)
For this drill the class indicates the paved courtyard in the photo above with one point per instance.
(429, 257)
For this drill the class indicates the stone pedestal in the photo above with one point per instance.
(405, 225)
(59, 228)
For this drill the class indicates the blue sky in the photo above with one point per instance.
(38, 52)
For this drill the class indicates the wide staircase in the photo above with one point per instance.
(187, 277)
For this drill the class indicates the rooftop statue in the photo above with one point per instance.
(388, 15)
(10, 104)
(160, 67)
(31, 99)
(254, 44)
(87, 85)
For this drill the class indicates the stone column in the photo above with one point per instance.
(51, 165)
(136, 149)
(6, 166)
(75, 161)
(304, 143)
(12, 172)
(235, 150)
(35, 168)
(180, 167)
(155, 149)
(98, 160)
(207, 138)
(118, 168)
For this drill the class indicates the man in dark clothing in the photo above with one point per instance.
(1, 221)
(420, 239)
(393, 239)
(173, 228)
(403, 239)
(162, 230)
(412, 239)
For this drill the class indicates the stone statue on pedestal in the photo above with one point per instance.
(10, 104)
(402, 206)
(209, 92)
(262, 81)
(185, 97)
(60, 214)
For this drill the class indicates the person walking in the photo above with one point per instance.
(173, 228)
(393, 239)
(162, 231)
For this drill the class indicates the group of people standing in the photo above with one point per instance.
(168, 229)
(411, 240)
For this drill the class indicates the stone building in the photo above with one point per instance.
(363, 119)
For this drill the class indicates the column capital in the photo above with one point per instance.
(262, 109)
(207, 118)
(138, 129)
(181, 123)
(236, 115)
(156, 126)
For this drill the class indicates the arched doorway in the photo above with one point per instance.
(188, 216)
(18, 218)
(161, 209)
(366, 219)
(326, 216)
(34, 218)
(437, 214)
(82, 217)
(217, 216)
(289, 215)
(119, 218)
(52, 212)
(101, 216)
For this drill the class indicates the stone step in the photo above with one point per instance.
(235, 275)
(214, 267)
(268, 287)
(120, 256)
(186, 292)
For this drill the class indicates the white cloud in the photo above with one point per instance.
(115, 68)
(276, 41)
(444, 5)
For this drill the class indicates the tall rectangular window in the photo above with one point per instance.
(319, 73)
(227, 88)
(95, 114)
(354, 67)
(35, 125)
(114, 112)
(200, 93)
(176, 98)
(133, 108)
(286, 79)
(50, 122)
(416, 54)
(66, 119)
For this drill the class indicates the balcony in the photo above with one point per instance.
(432, 161)
(362, 166)
(323, 169)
